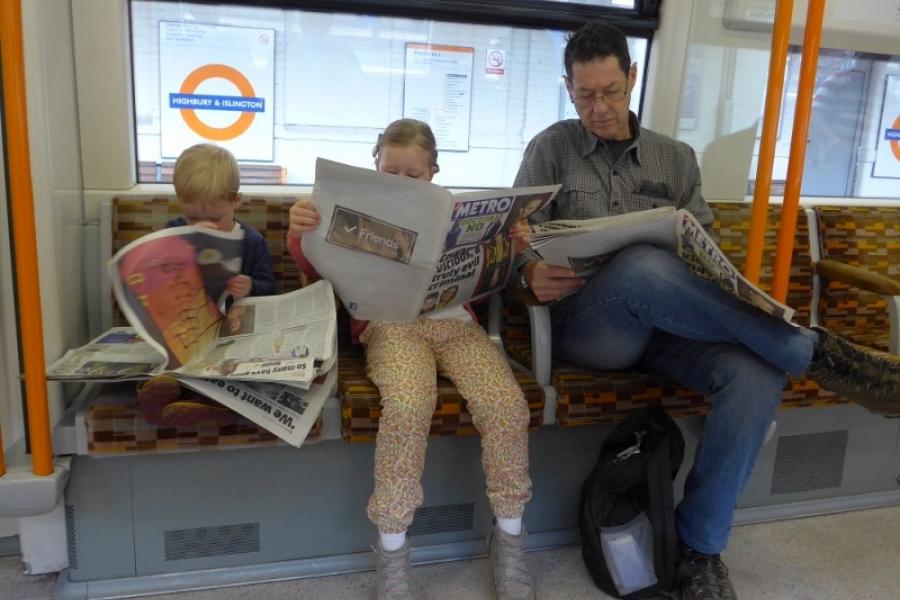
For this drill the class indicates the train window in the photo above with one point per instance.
(280, 87)
(854, 139)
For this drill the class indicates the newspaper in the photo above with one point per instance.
(287, 411)
(584, 245)
(172, 287)
(397, 248)
(120, 354)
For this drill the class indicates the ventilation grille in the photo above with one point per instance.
(443, 519)
(71, 543)
(203, 542)
(811, 461)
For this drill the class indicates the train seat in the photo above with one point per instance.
(116, 427)
(859, 268)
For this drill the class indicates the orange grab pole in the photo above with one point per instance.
(23, 233)
(785, 246)
(775, 88)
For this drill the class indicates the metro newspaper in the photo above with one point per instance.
(584, 245)
(426, 248)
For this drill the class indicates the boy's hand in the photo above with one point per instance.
(303, 217)
(239, 286)
(519, 233)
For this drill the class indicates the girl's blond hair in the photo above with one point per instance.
(206, 173)
(405, 132)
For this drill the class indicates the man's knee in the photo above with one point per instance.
(749, 380)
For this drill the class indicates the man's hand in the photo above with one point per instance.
(519, 233)
(303, 216)
(548, 282)
(239, 286)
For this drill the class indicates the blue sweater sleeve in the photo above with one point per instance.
(257, 263)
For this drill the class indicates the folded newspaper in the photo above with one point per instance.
(584, 245)
(259, 357)
(396, 248)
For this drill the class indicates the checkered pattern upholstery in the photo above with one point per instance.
(587, 396)
(115, 429)
(860, 236)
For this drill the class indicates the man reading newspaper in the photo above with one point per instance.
(644, 308)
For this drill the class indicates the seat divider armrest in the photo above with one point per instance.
(541, 339)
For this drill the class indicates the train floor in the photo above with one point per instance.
(853, 555)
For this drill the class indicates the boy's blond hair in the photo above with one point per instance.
(206, 173)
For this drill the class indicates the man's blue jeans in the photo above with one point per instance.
(645, 309)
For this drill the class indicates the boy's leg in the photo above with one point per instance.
(401, 364)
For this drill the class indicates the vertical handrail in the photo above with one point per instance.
(2, 458)
(781, 34)
(28, 289)
(799, 137)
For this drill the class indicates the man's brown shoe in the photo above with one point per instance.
(704, 577)
(869, 378)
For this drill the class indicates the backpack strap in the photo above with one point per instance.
(662, 514)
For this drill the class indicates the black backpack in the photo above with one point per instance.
(638, 461)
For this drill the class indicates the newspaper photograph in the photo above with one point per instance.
(585, 245)
(426, 248)
(287, 411)
(117, 355)
(169, 285)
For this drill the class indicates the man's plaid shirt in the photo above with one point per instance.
(654, 171)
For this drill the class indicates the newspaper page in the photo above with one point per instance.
(585, 245)
(273, 338)
(169, 285)
(287, 411)
(396, 247)
(117, 355)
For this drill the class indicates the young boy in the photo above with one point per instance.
(206, 181)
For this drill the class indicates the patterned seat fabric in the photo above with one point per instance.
(588, 396)
(115, 429)
(861, 236)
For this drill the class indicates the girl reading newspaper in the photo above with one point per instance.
(403, 359)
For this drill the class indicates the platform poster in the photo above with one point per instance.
(216, 85)
(887, 153)
(438, 90)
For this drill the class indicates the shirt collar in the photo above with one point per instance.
(589, 142)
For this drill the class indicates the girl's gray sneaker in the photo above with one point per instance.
(511, 579)
(392, 573)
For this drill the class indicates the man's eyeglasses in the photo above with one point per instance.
(609, 97)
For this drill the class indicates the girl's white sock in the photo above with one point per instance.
(392, 541)
(510, 526)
